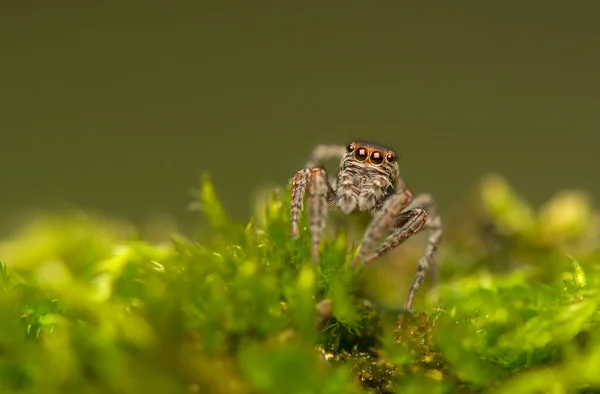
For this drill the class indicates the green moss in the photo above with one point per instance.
(88, 307)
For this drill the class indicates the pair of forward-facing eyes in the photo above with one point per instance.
(376, 157)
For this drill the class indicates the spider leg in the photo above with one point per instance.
(384, 220)
(427, 260)
(422, 217)
(320, 196)
(409, 223)
(318, 191)
(299, 183)
(324, 152)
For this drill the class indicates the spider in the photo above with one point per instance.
(368, 181)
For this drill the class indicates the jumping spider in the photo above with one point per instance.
(368, 181)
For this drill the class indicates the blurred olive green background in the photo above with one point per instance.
(118, 106)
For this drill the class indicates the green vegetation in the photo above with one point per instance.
(86, 306)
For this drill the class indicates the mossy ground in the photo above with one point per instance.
(87, 306)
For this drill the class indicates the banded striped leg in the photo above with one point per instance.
(384, 221)
(320, 154)
(299, 183)
(427, 260)
(314, 181)
(410, 222)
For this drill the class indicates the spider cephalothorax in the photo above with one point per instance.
(368, 181)
(367, 173)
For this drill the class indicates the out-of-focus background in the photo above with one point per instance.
(117, 107)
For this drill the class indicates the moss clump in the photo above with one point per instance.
(88, 307)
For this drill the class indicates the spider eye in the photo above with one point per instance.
(350, 148)
(390, 157)
(361, 154)
(376, 157)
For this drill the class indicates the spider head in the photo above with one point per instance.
(368, 173)
(368, 156)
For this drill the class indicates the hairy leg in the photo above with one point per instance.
(299, 183)
(314, 182)
(322, 153)
(300, 180)
(410, 222)
(427, 260)
(384, 221)
(422, 216)
(317, 207)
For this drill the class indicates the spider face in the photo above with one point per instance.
(371, 153)
(367, 173)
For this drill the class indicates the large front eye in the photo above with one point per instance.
(376, 157)
(361, 154)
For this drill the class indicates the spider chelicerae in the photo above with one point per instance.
(368, 181)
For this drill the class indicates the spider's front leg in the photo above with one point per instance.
(412, 221)
(427, 260)
(320, 194)
(384, 220)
